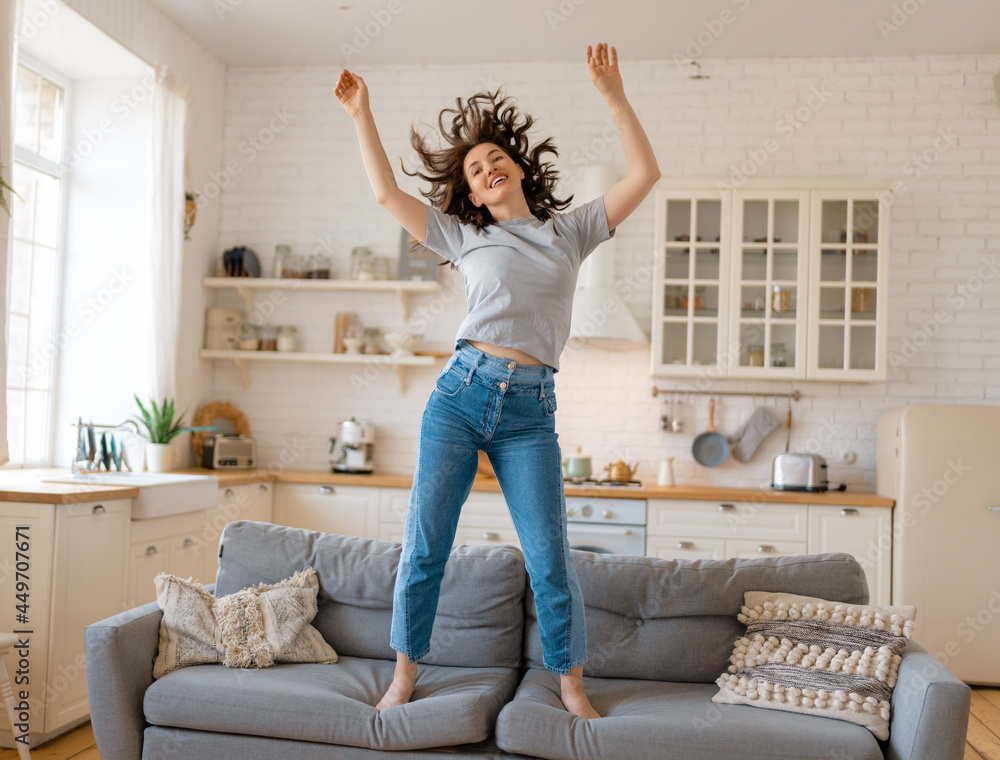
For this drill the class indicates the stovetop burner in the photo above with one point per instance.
(602, 482)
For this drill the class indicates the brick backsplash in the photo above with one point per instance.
(302, 183)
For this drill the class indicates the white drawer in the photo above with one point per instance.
(729, 520)
(472, 536)
(747, 549)
(685, 547)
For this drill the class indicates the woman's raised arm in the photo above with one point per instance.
(643, 171)
(352, 92)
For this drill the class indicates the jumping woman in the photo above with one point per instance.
(492, 214)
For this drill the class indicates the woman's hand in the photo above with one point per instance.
(604, 70)
(352, 92)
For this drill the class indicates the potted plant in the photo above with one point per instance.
(190, 212)
(160, 428)
(3, 188)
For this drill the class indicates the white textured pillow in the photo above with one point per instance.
(807, 655)
(252, 628)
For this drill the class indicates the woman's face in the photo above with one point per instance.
(492, 175)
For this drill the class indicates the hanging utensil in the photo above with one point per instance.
(710, 448)
(788, 424)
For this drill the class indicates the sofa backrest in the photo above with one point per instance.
(675, 620)
(480, 616)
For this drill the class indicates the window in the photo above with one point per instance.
(39, 125)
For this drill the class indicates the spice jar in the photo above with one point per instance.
(248, 340)
(281, 254)
(778, 356)
(286, 338)
(361, 264)
(268, 337)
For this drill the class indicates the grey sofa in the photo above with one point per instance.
(659, 634)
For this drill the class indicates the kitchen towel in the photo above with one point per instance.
(751, 434)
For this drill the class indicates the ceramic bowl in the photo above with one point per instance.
(402, 343)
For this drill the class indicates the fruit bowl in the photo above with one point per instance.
(402, 343)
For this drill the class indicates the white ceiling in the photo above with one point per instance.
(303, 32)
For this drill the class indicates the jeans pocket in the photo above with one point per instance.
(549, 405)
(450, 383)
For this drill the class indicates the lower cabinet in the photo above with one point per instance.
(346, 510)
(712, 530)
(484, 518)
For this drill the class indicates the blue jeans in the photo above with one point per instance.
(484, 402)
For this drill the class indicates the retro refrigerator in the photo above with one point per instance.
(941, 464)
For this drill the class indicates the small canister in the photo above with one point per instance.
(286, 337)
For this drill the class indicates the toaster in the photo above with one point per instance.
(228, 452)
(799, 472)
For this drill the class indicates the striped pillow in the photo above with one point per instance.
(811, 656)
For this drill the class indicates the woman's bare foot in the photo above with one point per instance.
(574, 698)
(404, 681)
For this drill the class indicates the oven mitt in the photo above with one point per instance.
(751, 434)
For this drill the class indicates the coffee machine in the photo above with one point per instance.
(357, 437)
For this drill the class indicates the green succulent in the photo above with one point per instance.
(159, 423)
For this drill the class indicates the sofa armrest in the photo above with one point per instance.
(930, 710)
(119, 654)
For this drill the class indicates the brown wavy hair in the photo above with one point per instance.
(485, 118)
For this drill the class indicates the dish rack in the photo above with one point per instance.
(90, 457)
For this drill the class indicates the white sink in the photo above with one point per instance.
(160, 493)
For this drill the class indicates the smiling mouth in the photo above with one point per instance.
(497, 180)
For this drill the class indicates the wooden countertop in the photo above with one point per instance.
(702, 493)
(27, 486)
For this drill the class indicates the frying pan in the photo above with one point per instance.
(710, 448)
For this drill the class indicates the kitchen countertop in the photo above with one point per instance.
(704, 493)
(27, 486)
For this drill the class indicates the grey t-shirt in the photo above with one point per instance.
(520, 275)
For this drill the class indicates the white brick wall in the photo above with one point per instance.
(308, 185)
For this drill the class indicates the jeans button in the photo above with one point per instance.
(638, 623)
(503, 385)
(511, 365)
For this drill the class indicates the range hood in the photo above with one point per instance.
(600, 317)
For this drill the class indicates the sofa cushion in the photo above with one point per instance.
(675, 620)
(655, 720)
(334, 704)
(472, 629)
(801, 654)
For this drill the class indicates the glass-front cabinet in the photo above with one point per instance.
(770, 282)
(689, 326)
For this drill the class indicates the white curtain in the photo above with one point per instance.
(170, 106)
(10, 18)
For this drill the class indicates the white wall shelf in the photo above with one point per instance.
(246, 287)
(243, 359)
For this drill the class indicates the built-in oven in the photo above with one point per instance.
(607, 526)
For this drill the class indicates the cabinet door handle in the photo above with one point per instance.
(327, 489)
(98, 509)
(766, 548)
(490, 536)
(685, 544)
(151, 550)
(229, 492)
(849, 512)
(262, 488)
(188, 542)
(993, 509)
(727, 507)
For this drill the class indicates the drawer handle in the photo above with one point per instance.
(727, 507)
(262, 488)
(229, 492)
(849, 512)
(188, 542)
(326, 489)
(766, 548)
(151, 550)
(685, 544)
(993, 509)
(98, 509)
(490, 536)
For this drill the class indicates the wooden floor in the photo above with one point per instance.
(982, 741)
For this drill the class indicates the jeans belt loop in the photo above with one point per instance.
(541, 392)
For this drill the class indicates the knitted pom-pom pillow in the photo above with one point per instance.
(816, 657)
(252, 628)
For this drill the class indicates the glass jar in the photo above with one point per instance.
(755, 355)
(779, 356)
(322, 271)
(381, 268)
(268, 337)
(286, 337)
(292, 269)
(281, 253)
(248, 337)
(373, 340)
(361, 264)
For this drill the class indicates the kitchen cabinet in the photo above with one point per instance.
(681, 529)
(250, 501)
(247, 287)
(777, 279)
(75, 574)
(347, 510)
(484, 519)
